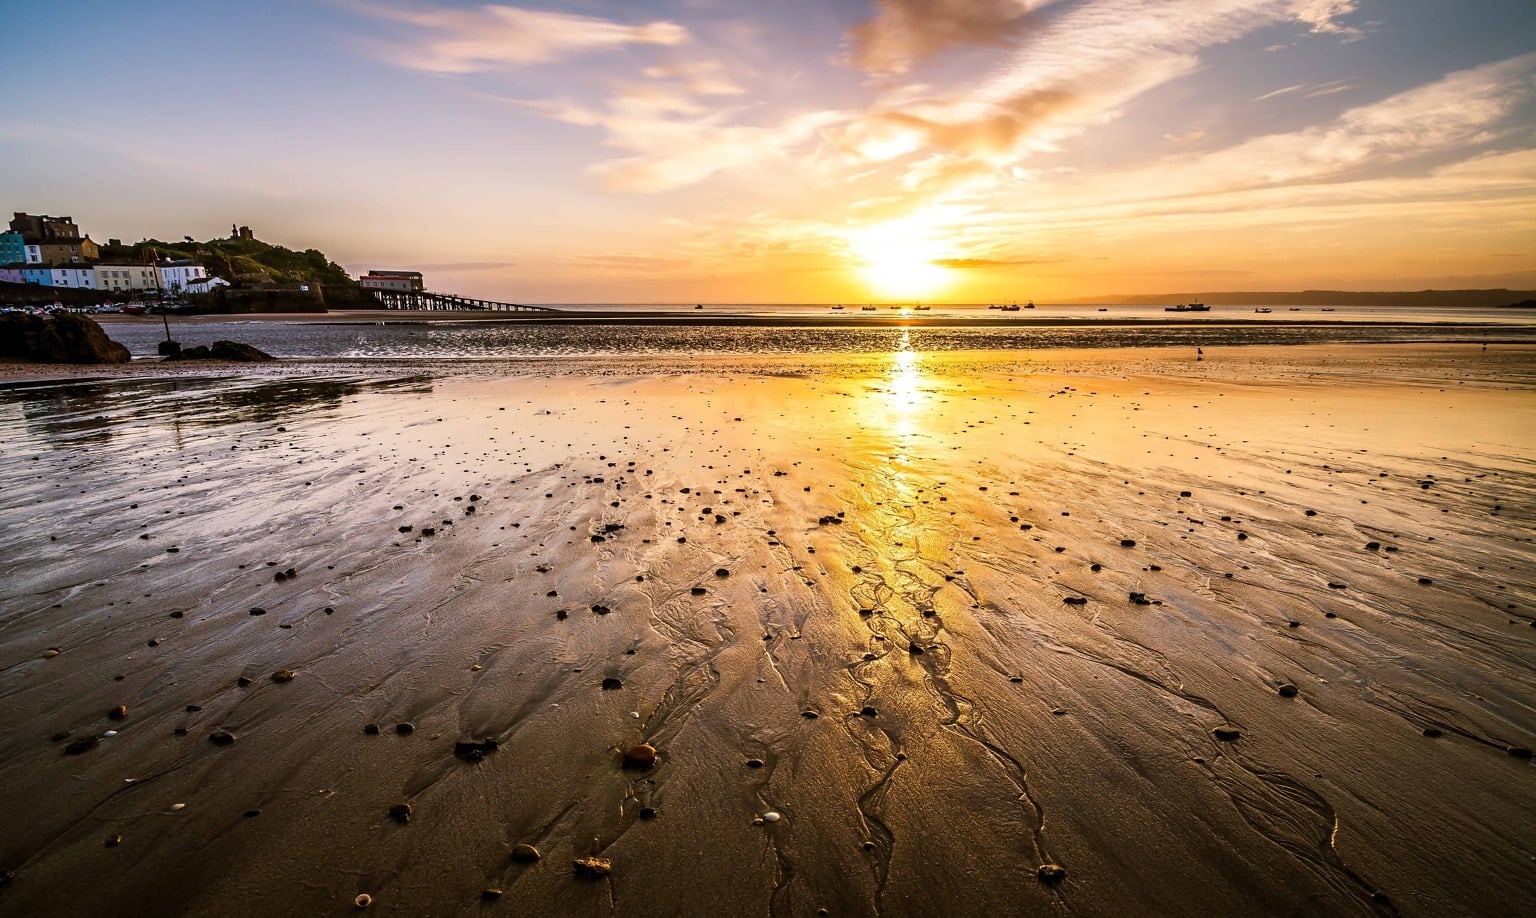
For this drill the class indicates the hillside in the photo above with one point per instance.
(240, 261)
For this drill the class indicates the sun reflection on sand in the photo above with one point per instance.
(907, 397)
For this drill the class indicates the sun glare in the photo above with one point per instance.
(896, 260)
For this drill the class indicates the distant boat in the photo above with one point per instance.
(1295, 309)
(869, 308)
(700, 306)
(1011, 307)
(994, 306)
(1102, 309)
(1262, 309)
(839, 306)
(922, 308)
(1327, 309)
(1187, 307)
(1029, 305)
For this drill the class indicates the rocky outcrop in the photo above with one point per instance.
(222, 350)
(65, 338)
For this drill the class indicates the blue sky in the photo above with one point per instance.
(710, 150)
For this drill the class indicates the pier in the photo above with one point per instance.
(425, 300)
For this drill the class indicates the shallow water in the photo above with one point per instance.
(449, 340)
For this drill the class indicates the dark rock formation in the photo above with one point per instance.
(66, 338)
(222, 350)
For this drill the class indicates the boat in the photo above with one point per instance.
(1029, 305)
(1263, 309)
(922, 308)
(1187, 307)
(869, 308)
(1011, 307)
(837, 307)
(1102, 309)
(1327, 309)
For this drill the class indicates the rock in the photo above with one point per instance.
(1226, 733)
(283, 675)
(118, 713)
(722, 572)
(114, 840)
(1432, 732)
(223, 350)
(257, 610)
(51, 652)
(362, 901)
(474, 751)
(868, 711)
(490, 893)
(809, 715)
(405, 728)
(771, 816)
(754, 763)
(641, 755)
(1372, 546)
(221, 738)
(1425, 581)
(698, 591)
(525, 854)
(1127, 543)
(647, 812)
(66, 338)
(401, 813)
(371, 729)
(1075, 600)
(611, 684)
(914, 649)
(1051, 873)
(1519, 752)
(592, 868)
(1287, 690)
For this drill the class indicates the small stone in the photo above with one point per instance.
(641, 755)
(868, 711)
(1051, 873)
(647, 812)
(490, 893)
(371, 729)
(1372, 546)
(243, 681)
(1425, 581)
(221, 738)
(1519, 752)
(362, 901)
(611, 684)
(524, 853)
(592, 868)
(1336, 585)
(283, 675)
(118, 713)
(771, 816)
(114, 840)
(51, 652)
(1127, 543)
(754, 763)
(405, 728)
(401, 813)
(177, 807)
(722, 572)
(914, 649)
(809, 715)
(698, 591)
(1226, 733)
(251, 813)
(1432, 732)
(1287, 690)
(1075, 600)
(257, 610)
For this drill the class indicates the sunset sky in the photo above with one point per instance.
(799, 151)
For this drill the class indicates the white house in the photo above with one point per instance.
(206, 285)
(175, 276)
(79, 277)
(34, 254)
(127, 277)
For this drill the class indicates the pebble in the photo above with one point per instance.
(221, 738)
(1287, 690)
(868, 711)
(371, 729)
(362, 901)
(754, 763)
(1425, 581)
(525, 854)
(722, 572)
(178, 807)
(51, 652)
(1051, 873)
(257, 610)
(1432, 732)
(118, 713)
(1519, 752)
(809, 715)
(771, 816)
(490, 893)
(592, 868)
(647, 812)
(401, 813)
(1226, 733)
(405, 728)
(611, 684)
(283, 675)
(642, 755)
(114, 840)
(1127, 543)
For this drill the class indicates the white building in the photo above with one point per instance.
(127, 277)
(206, 285)
(34, 254)
(178, 276)
(78, 277)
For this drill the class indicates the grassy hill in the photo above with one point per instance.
(240, 261)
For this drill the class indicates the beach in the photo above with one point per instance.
(1248, 634)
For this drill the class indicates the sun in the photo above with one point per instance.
(898, 260)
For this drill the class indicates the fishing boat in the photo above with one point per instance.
(1030, 305)
(1263, 309)
(869, 308)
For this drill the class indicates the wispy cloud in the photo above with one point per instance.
(494, 36)
(904, 31)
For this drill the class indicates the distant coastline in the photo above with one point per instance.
(1461, 299)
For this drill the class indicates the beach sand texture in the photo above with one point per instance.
(1248, 636)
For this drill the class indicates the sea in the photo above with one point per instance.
(409, 336)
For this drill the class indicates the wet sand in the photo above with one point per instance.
(1252, 635)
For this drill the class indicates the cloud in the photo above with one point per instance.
(975, 263)
(1322, 15)
(495, 36)
(904, 31)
